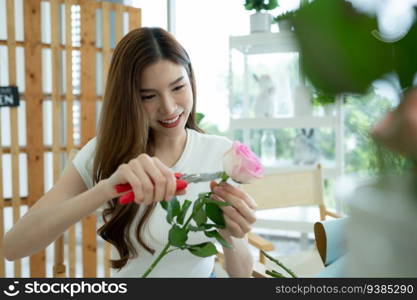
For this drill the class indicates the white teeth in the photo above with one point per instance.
(170, 121)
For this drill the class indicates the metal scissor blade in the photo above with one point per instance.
(201, 177)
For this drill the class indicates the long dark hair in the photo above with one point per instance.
(124, 130)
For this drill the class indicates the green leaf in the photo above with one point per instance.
(203, 250)
(196, 228)
(209, 226)
(215, 214)
(405, 57)
(173, 209)
(200, 217)
(338, 51)
(164, 204)
(215, 234)
(177, 236)
(199, 117)
(271, 5)
(199, 202)
(185, 206)
(219, 203)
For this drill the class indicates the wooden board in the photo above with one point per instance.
(14, 125)
(135, 18)
(33, 96)
(119, 22)
(59, 267)
(88, 122)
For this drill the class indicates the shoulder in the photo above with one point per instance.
(84, 160)
(87, 151)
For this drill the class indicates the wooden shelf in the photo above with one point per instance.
(290, 122)
(258, 43)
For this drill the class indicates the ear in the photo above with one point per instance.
(303, 131)
(311, 133)
(256, 77)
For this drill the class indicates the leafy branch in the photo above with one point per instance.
(204, 210)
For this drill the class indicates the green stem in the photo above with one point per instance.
(160, 256)
(165, 251)
(279, 264)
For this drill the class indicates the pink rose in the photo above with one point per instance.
(241, 164)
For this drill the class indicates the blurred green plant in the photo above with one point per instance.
(259, 5)
(321, 98)
(367, 158)
(341, 51)
(199, 117)
(285, 16)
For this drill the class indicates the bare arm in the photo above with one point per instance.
(65, 204)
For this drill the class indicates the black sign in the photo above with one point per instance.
(9, 96)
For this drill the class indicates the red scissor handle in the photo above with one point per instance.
(129, 197)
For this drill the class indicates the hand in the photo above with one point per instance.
(240, 214)
(150, 179)
(397, 131)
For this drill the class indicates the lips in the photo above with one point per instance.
(172, 122)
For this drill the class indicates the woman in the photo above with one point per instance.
(147, 132)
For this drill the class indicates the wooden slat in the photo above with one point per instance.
(68, 63)
(8, 202)
(106, 65)
(59, 267)
(119, 22)
(14, 125)
(2, 206)
(135, 18)
(70, 127)
(33, 96)
(88, 102)
(48, 46)
(106, 41)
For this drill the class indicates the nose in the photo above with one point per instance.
(167, 105)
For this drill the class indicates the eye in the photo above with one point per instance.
(147, 97)
(179, 87)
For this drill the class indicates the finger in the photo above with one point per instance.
(213, 184)
(181, 192)
(170, 179)
(239, 204)
(159, 180)
(233, 227)
(240, 194)
(133, 179)
(146, 190)
(234, 214)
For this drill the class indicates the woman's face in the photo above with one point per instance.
(167, 97)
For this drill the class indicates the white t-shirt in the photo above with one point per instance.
(202, 154)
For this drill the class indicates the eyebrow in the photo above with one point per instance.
(171, 84)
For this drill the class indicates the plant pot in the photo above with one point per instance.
(284, 25)
(302, 101)
(260, 22)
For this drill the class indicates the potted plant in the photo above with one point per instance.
(283, 20)
(325, 100)
(260, 21)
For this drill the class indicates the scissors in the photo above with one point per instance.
(182, 181)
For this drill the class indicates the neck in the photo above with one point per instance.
(169, 149)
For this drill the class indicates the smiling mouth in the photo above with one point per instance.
(170, 121)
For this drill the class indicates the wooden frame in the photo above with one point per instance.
(34, 96)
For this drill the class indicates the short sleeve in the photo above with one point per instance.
(83, 162)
